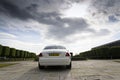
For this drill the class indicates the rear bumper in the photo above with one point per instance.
(54, 61)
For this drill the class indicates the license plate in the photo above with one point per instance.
(54, 54)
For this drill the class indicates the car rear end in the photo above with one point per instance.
(54, 57)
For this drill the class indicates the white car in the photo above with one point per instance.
(54, 55)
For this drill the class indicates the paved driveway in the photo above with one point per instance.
(81, 70)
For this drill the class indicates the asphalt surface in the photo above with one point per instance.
(81, 70)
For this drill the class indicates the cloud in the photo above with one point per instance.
(32, 24)
(32, 7)
(47, 14)
(102, 32)
(48, 18)
(24, 9)
(105, 8)
(7, 36)
(112, 18)
(6, 7)
(32, 47)
(67, 27)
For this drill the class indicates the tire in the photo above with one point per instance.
(40, 67)
(69, 66)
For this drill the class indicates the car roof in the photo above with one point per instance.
(54, 46)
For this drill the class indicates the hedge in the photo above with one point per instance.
(102, 53)
(12, 52)
(5, 51)
(17, 54)
(78, 58)
(1, 49)
(115, 52)
(21, 54)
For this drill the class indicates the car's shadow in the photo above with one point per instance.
(49, 69)
(48, 73)
(54, 69)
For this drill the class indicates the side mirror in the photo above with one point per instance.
(71, 54)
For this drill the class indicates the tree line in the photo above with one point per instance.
(14, 54)
(101, 53)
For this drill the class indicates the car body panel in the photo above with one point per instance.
(54, 61)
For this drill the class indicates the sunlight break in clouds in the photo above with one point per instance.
(76, 10)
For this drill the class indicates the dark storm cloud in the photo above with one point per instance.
(8, 8)
(48, 12)
(110, 3)
(25, 9)
(113, 19)
(48, 18)
(62, 27)
(32, 7)
(69, 27)
(106, 7)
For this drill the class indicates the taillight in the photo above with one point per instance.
(40, 55)
(67, 54)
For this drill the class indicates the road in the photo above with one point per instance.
(81, 70)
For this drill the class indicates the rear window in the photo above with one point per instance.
(54, 47)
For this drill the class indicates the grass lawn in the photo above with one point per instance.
(6, 64)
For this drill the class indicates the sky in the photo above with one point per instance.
(79, 25)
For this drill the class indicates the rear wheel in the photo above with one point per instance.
(40, 67)
(69, 66)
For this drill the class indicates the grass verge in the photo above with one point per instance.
(6, 64)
